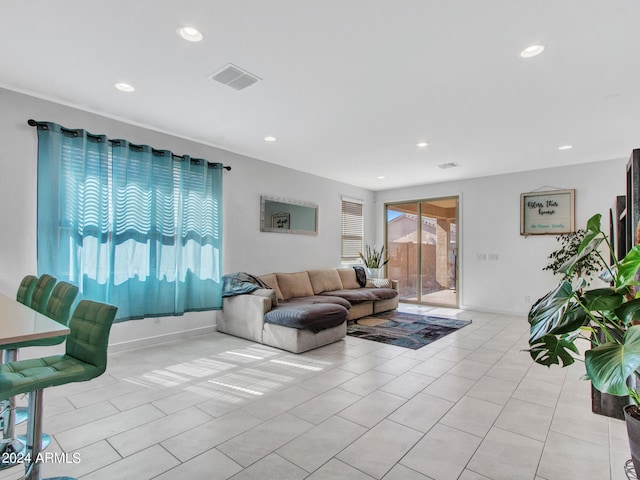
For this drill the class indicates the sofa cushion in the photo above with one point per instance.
(310, 316)
(324, 280)
(348, 278)
(360, 295)
(319, 299)
(294, 285)
(272, 281)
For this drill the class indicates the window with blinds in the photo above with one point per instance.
(352, 229)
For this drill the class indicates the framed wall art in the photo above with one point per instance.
(547, 213)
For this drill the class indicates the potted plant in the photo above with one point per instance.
(374, 260)
(569, 313)
(587, 267)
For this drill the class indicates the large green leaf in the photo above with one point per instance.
(590, 243)
(628, 267)
(553, 349)
(602, 299)
(593, 224)
(609, 365)
(573, 318)
(629, 311)
(548, 312)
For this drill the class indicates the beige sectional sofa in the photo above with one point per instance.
(303, 310)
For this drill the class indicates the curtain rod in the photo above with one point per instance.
(34, 123)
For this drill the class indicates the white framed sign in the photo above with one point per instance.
(547, 213)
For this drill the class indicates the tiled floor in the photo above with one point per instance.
(470, 406)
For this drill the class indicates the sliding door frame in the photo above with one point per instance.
(457, 264)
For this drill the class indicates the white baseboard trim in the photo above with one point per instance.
(167, 337)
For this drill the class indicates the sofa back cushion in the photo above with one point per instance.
(348, 278)
(325, 280)
(272, 281)
(293, 285)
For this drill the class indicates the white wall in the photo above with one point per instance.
(490, 223)
(245, 248)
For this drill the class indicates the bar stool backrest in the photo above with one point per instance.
(25, 290)
(89, 338)
(42, 292)
(60, 302)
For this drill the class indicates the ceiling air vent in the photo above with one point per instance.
(235, 77)
(447, 165)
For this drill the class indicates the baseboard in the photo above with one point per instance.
(168, 337)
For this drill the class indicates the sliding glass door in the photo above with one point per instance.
(422, 242)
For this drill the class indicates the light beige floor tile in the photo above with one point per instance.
(494, 390)
(453, 353)
(323, 406)
(81, 462)
(205, 437)
(279, 402)
(434, 367)
(569, 458)
(525, 418)
(506, 456)
(272, 466)
(89, 433)
(443, 453)
(471, 369)
(508, 371)
(400, 472)
(372, 409)
(337, 470)
(407, 385)
(469, 475)
(485, 355)
(144, 436)
(98, 395)
(579, 422)
(142, 466)
(421, 412)
(472, 415)
(367, 382)
(537, 391)
(264, 439)
(315, 447)
(327, 380)
(449, 387)
(378, 450)
(398, 365)
(210, 465)
(54, 424)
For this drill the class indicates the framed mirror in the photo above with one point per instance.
(282, 215)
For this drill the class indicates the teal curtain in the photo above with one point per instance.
(130, 225)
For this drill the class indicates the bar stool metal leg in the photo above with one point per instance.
(34, 438)
(12, 416)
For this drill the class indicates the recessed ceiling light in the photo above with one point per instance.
(565, 147)
(422, 144)
(269, 139)
(124, 87)
(381, 177)
(190, 34)
(532, 51)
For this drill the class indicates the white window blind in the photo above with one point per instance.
(352, 229)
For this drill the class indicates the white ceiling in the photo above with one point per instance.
(349, 86)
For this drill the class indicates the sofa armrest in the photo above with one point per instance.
(243, 316)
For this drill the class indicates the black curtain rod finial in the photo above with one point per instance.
(227, 168)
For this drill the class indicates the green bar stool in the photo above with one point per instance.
(42, 292)
(60, 301)
(25, 290)
(85, 359)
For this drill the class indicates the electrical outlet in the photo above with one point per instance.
(527, 299)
